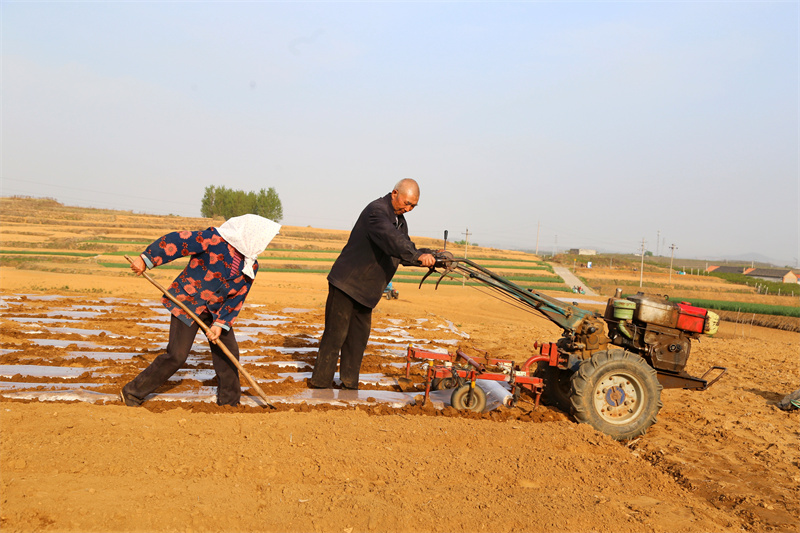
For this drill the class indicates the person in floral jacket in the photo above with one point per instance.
(214, 286)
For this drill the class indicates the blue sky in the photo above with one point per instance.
(603, 123)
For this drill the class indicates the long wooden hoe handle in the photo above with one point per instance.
(206, 330)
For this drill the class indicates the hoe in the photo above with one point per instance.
(606, 370)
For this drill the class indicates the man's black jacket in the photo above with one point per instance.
(378, 243)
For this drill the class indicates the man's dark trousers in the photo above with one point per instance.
(181, 337)
(347, 325)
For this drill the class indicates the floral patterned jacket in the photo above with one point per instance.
(208, 283)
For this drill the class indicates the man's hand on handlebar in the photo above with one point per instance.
(427, 260)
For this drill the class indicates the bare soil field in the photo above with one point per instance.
(73, 458)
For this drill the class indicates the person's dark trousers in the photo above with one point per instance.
(181, 337)
(347, 325)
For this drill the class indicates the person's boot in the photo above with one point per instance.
(127, 399)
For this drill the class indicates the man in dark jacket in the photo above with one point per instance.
(378, 243)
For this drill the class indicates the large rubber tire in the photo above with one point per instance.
(617, 393)
(459, 399)
(443, 383)
(557, 387)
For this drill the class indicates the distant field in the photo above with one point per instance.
(44, 235)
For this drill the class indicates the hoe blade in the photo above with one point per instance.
(406, 385)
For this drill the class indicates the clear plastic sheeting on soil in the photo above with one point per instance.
(496, 391)
(7, 371)
(78, 331)
(35, 320)
(54, 392)
(51, 342)
(101, 356)
(30, 390)
(63, 343)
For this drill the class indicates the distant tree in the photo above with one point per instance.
(267, 204)
(227, 203)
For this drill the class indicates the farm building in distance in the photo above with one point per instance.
(582, 251)
(778, 275)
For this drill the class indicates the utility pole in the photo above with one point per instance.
(672, 257)
(555, 247)
(466, 246)
(538, 227)
(641, 269)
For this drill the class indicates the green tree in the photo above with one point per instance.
(227, 203)
(208, 204)
(267, 204)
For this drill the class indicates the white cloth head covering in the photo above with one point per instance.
(250, 235)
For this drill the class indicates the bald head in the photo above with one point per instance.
(405, 196)
(407, 186)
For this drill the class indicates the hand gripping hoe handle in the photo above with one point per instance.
(207, 330)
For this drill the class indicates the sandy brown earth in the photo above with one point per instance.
(725, 459)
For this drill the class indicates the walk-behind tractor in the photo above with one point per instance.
(606, 370)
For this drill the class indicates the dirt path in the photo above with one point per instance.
(571, 280)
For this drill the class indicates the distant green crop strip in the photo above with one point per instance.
(509, 267)
(499, 268)
(479, 284)
(324, 259)
(294, 250)
(172, 266)
(67, 254)
(743, 307)
(406, 276)
(509, 259)
(295, 270)
(510, 277)
(148, 243)
(111, 241)
(126, 265)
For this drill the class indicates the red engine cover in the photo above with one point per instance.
(691, 318)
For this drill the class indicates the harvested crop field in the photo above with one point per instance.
(75, 459)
